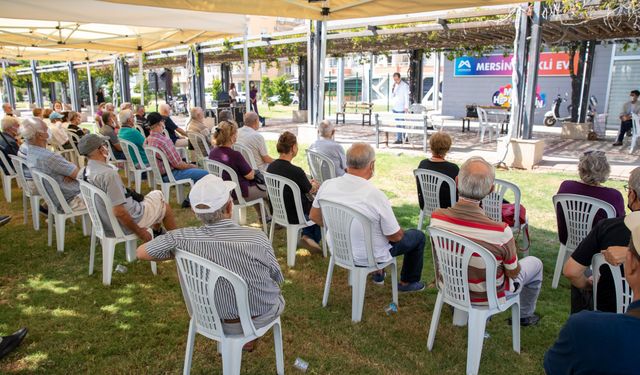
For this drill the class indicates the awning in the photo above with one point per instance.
(319, 10)
(90, 29)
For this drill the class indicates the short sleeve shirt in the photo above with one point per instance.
(233, 159)
(334, 151)
(134, 136)
(109, 132)
(254, 141)
(56, 166)
(158, 140)
(171, 128)
(361, 195)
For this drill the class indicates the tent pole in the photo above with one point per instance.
(311, 104)
(37, 85)
(8, 86)
(245, 53)
(90, 81)
(340, 84)
(532, 73)
(321, 65)
(141, 77)
(73, 85)
(435, 89)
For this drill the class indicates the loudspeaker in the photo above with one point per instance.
(153, 81)
(166, 82)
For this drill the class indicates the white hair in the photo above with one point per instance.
(360, 155)
(475, 184)
(594, 168)
(193, 112)
(325, 129)
(125, 105)
(164, 107)
(124, 116)
(30, 127)
(8, 121)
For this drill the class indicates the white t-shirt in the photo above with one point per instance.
(362, 196)
(400, 96)
(254, 141)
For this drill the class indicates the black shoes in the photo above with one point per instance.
(186, 203)
(9, 343)
(528, 321)
(617, 144)
(4, 220)
(44, 210)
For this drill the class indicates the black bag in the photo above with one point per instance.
(134, 195)
(472, 111)
(258, 178)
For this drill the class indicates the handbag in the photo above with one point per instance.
(472, 111)
(258, 178)
(133, 194)
(508, 217)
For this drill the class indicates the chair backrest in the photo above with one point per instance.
(417, 108)
(338, 220)
(128, 148)
(155, 156)
(5, 163)
(19, 165)
(49, 189)
(430, 185)
(92, 195)
(275, 188)
(322, 167)
(112, 156)
(579, 213)
(482, 116)
(635, 122)
(139, 128)
(452, 254)
(246, 154)
(199, 279)
(492, 203)
(624, 294)
(217, 168)
(199, 143)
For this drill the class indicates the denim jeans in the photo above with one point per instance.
(182, 174)
(314, 232)
(119, 155)
(399, 136)
(412, 247)
(625, 126)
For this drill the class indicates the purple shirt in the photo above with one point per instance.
(606, 194)
(233, 159)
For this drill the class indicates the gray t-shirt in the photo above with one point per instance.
(110, 133)
(334, 151)
(106, 178)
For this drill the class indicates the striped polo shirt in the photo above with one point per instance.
(469, 220)
(243, 250)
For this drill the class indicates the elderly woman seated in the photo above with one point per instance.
(224, 136)
(439, 143)
(594, 170)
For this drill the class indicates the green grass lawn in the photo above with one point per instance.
(139, 324)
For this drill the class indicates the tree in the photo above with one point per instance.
(282, 88)
(267, 91)
(215, 89)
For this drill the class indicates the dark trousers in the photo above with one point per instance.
(412, 247)
(625, 126)
(314, 232)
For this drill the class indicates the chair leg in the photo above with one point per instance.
(166, 191)
(191, 338)
(35, 212)
(50, 223)
(515, 326)
(92, 253)
(263, 212)
(86, 225)
(25, 204)
(394, 283)
(242, 215)
(559, 264)
(138, 180)
(6, 187)
(475, 341)
(421, 220)
(108, 250)
(357, 294)
(154, 268)
(60, 223)
(277, 338)
(231, 357)
(435, 319)
(130, 247)
(327, 283)
(179, 193)
(273, 225)
(292, 245)
(324, 242)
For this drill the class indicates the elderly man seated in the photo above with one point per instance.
(245, 251)
(196, 124)
(9, 142)
(594, 342)
(131, 134)
(141, 119)
(172, 128)
(389, 240)
(39, 158)
(108, 130)
(467, 218)
(611, 237)
(249, 137)
(134, 213)
(327, 146)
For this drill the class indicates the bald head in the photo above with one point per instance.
(6, 107)
(251, 119)
(360, 156)
(31, 126)
(164, 109)
(476, 177)
(325, 129)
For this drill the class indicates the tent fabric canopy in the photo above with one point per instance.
(337, 9)
(90, 29)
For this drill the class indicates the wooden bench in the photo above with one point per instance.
(408, 123)
(356, 107)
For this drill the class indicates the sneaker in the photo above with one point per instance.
(415, 286)
(397, 142)
(378, 277)
(308, 243)
(43, 210)
(528, 321)
(159, 232)
(617, 144)
(186, 203)
(9, 343)
(4, 220)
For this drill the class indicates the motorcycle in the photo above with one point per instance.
(552, 116)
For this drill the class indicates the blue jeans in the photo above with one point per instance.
(412, 247)
(399, 136)
(314, 232)
(182, 174)
(119, 155)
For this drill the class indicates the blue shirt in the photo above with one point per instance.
(593, 342)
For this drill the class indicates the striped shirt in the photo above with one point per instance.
(469, 220)
(159, 140)
(245, 251)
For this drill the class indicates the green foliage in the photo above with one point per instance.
(282, 88)
(267, 89)
(215, 89)
(175, 88)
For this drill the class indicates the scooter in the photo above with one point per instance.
(552, 116)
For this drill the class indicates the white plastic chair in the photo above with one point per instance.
(198, 280)
(452, 254)
(59, 209)
(92, 195)
(140, 129)
(200, 145)
(246, 154)
(579, 212)
(338, 219)
(430, 184)
(240, 209)
(275, 187)
(136, 170)
(624, 294)
(483, 119)
(492, 205)
(120, 163)
(19, 164)
(73, 140)
(635, 131)
(155, 156)
(6, 178)
(321, 166)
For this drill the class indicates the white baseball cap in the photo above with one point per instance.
(210, 191)
(632, 221)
